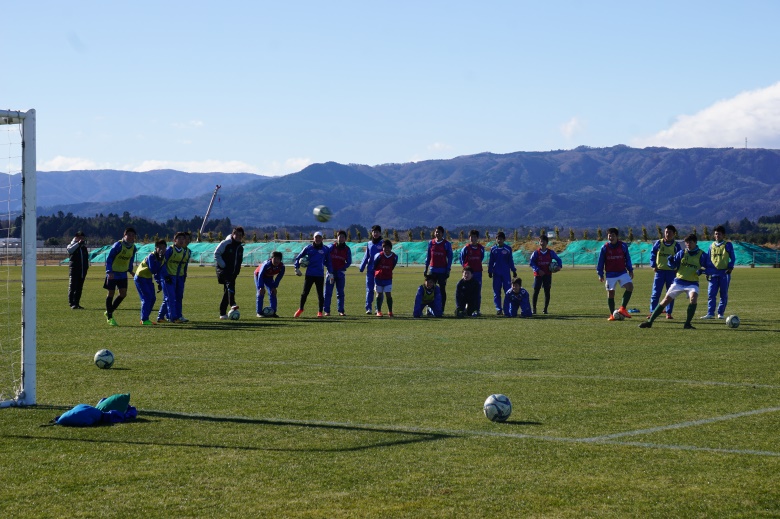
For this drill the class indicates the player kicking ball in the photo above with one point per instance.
(690, 263)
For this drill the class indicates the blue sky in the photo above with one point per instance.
(270, 87)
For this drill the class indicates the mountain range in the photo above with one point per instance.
(582, 187)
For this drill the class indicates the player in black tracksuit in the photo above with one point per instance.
(78, 266)
(228, 256)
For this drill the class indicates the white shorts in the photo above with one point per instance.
(677, 289)
(621, 280)
(387, 288)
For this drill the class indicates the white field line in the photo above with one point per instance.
(523, 374)
(681, 425)
(606, 440)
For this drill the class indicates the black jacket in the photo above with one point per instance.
(79, 259)
(228, 256)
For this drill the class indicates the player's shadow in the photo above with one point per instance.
(404, 437)
(521, 422)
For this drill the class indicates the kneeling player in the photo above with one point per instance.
(467, 295)
(428, 295)
(516, 302)
(267, 279)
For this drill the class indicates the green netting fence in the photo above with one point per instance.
(580, 253)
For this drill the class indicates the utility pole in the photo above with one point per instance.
(208, 211)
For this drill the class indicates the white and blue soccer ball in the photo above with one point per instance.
(617, 315)
(234, 314)
(268, 311)
(554, 266)
(104, 359)
(322, 213)
(497, 408)
(303, 262)
(732, 321)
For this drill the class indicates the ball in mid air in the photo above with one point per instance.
(322, 213)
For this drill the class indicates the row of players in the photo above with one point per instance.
(326, 270)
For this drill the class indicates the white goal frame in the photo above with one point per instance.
(25, 393)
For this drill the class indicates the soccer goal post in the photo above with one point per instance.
(18, 259)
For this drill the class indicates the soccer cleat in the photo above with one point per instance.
(708, 316)
(234, 307)
(319, 314)
(624, 312)
(183, 319)
(298, 312)
(611, 318)
(389, 314)
(669, 316)
(326, 314)
(368, 312)
(259, 315)
(342, 314)
(688, 326)
(112, 322)
(224, 317)
(147, 323)
(378, 313)
(499, 312)
(720, 316)
(544, 312)
(274, 314)
(161, 319)
(646, 324)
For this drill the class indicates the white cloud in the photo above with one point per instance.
(188, 125)
(439, 147)
(754, 115)
(293, 165)
(572, 127)
(205, 166)
(60, 163)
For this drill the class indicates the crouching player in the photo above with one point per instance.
(517, 302)
(146, 275)
(690, 263)
(428, 295)
(467, 295)
(267, 279)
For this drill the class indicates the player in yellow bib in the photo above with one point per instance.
(689, 263)
(118, 263)
(719, 276)
(662, 250)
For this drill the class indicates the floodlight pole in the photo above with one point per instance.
(208, 211)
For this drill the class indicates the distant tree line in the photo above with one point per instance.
(58, 229)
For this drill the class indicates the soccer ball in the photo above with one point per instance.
(234, 315)
(554, 267)
(303, 262)
(268, 311)
(617, 315)
(497, 408)
(732, 321)
(322, 213)
(104, 359)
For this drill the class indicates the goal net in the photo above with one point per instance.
(17, 258)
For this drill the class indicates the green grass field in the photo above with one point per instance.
(366, 417)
